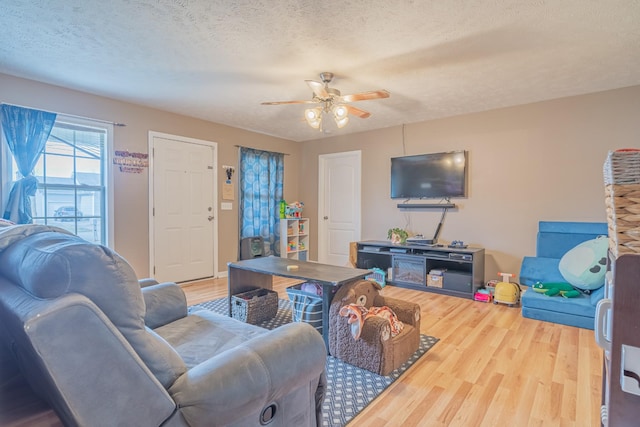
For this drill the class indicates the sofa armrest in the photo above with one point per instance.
(406, 311)
(375, 331)
(94, 357)
(251, 376)
(165, 303)
(149, 281)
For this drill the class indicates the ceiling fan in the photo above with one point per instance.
(332, 102)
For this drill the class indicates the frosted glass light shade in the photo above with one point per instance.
(342, 122)
(340, 112)
(313, 117)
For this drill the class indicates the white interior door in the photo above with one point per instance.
(184, 217)
(339, 187)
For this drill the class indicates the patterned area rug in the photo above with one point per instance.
(349, 389)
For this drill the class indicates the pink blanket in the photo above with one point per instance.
(357, 315)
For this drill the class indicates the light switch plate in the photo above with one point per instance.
(226, 206)
(630, 369)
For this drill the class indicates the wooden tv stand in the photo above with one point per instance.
(410, 265)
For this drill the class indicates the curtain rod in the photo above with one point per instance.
(71, 115)
(251, 148)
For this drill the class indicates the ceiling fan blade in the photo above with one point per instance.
(357, 112)
(318, 89)
(288, 102)
(363, 96)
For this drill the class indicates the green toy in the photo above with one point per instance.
(555, 288)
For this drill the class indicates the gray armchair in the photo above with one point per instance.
(103, 349)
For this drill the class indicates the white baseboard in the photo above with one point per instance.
(222, 274)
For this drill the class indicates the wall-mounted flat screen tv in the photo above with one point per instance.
(429, 176)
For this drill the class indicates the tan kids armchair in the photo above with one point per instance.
(364, 332)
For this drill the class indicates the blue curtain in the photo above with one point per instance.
(26, 132)
(261, 189)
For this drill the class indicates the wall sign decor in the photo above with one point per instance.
(131, 162)
(228, 189)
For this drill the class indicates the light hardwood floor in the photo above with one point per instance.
(491, 367)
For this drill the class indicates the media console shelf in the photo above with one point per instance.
(463, 269)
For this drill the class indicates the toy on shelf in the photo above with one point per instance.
(283, 207)
(506, 292)
(293, 210)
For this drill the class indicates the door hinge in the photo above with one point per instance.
(209, 167)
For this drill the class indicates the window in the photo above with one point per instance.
(73, 180)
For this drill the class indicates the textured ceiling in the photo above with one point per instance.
(219, 59)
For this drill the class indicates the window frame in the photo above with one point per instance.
(6, 177)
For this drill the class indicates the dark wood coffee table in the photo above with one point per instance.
(258, 272)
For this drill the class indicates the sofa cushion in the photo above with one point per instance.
(204, 334)
(596, 296)
(539, 269)
(579, 306)
(556, 238)
(558, 317)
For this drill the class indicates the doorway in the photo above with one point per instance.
(182, 203)
(339, 205)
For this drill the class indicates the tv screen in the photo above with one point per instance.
(429, 176)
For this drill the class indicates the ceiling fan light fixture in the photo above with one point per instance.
(342, 122)
(313, 116)
(340, 111)
(332, 102)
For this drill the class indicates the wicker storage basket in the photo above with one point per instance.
(622, 200)
(254, 306)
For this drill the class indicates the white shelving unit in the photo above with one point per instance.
(294, 238)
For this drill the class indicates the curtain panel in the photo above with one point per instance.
(261, 189)
(26, 132)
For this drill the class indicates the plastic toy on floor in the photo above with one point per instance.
(556, 288)
(506, 292)
(482, 295)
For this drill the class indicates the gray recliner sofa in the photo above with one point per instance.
(102, 350)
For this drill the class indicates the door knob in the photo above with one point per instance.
(326, 217)
(210, 218)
